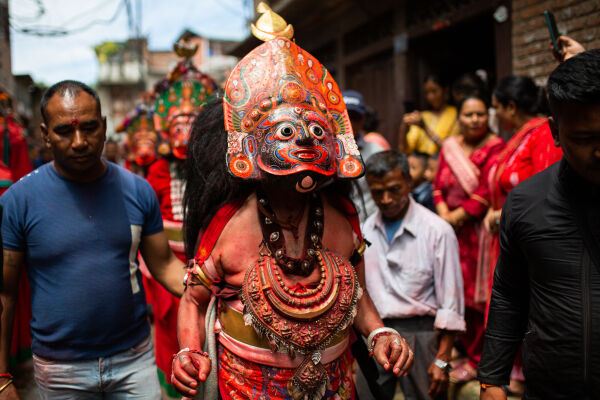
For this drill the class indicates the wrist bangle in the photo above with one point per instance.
(5, 385)
(7, 375)
(194, 351)
(377, 332)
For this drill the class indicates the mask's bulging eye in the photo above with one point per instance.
(285, 131)
(316, 131)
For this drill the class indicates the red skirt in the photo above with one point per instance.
(240, 379)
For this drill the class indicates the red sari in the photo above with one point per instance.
(529, 151)
(461, 181)
(15, 167)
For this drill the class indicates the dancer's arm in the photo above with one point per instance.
(190, 367)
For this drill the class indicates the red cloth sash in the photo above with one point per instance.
(208, 238)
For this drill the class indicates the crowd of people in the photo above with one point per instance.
(279, 238)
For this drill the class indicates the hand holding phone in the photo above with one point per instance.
(569, 48)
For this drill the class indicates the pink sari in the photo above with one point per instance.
(461, 181)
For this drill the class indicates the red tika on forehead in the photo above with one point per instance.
(74, 122)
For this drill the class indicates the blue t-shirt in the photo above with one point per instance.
(80, 242)
(391, 227)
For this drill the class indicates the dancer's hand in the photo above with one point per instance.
(393, 351)
(188, 370)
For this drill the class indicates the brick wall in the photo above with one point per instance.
(579, 19)
(6, 79)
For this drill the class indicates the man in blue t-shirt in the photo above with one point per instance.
(76, 225)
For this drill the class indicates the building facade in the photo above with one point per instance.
(128, 69)
(7, 83)
(384, 49)
(579, 19)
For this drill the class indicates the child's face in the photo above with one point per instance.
(417, 170)
(430, 170)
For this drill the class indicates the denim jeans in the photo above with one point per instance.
(130, 374)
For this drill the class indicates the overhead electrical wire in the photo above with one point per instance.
(41, 10)
(53, 31)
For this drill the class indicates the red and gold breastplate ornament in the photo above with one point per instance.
(304, 321)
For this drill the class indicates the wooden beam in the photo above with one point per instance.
(373, 49)
(457, 16)
(503, 44)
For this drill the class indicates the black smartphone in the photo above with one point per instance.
(553, 29)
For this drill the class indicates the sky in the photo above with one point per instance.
(51, 59)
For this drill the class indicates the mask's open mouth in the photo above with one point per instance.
(305, 155)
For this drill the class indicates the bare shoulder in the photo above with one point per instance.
(237, 246)
(338, 234)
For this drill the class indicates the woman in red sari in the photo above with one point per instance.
(530, 150)
(461, 197)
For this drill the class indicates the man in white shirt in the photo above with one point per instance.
(413, 275)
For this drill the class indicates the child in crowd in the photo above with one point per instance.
(422, 191)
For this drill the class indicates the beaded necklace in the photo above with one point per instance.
(275, 241)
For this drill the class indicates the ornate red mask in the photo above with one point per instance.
(141, 137)
(285, 115)
(178, 104)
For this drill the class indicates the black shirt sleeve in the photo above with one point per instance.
(508, 314)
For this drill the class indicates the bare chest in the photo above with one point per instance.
(239, 245)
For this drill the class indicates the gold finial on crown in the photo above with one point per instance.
(270, 25)
(183, 48)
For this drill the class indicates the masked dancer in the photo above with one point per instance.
(276, 281)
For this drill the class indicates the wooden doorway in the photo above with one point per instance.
(373, 78)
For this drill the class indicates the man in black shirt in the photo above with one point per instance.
(547, 280)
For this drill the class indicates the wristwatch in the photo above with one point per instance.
(443, 365)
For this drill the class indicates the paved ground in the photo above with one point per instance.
(28, 391)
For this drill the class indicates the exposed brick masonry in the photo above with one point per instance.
(579, 19)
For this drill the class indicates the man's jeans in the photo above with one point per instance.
(130, 374)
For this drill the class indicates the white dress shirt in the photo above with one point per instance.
(419, 272)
